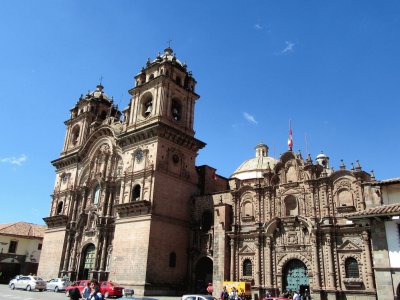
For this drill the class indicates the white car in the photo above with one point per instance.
(57, 284)
(28, 283)
(198, 297)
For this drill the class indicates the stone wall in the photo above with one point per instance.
(128, 265)
(52, 253)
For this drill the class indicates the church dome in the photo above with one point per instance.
(99, 94)
(321, 155)
(255, 167)
(169, 55)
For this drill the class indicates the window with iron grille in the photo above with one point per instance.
(247, 268)
(351, 266)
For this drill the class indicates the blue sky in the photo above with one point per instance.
(331, 67)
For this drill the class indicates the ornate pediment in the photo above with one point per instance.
(247, 250)
(349, 246)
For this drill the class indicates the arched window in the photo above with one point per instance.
(351, 266)
(59, 208)
(172, 260)
(96, 194)
(248, 210)
(147, 106)
(75, 135)
(136, 193)
(291, 206)
(345, 198)
(178, 80)
(206, 220)
(176, 110)
(151, 77)
(247, 268)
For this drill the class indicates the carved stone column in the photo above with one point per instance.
(232, 244)
(268, 263)
(110, 201)
(103, 253)
(331, 270)
(367, 256)
(72, 268)
(316, 272)
(67, 255)
(106, 201)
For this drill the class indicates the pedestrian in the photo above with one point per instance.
(307, 295)
(74, 294)
(296, 295)
(95, 290)
(86, 291)
(224, 294)
(233, 295)
(209, 288)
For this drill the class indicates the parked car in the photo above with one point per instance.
(198, 297)
(28, 283)
(57, 284)
(128, 292)
(111, 289)
(80, 284)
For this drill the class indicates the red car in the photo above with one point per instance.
(80, 284)
(111, 289)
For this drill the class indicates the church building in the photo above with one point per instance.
(130, 205)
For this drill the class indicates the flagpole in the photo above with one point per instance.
(290, 139)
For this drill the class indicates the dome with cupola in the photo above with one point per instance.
(255, 167)
(99, 94)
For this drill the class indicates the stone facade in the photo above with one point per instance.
(121, 203)
(281, 225)
(130, 205)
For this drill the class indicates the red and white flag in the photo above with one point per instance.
(290, 139)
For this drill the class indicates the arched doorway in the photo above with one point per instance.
(203, 274)
(87, 262)
(295, 276)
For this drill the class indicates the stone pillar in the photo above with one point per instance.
(262, 261)
(67, 255)
(103, 253)
(232, 248)
(316, 273)
(268, 263)
(106, 201)
(110, 201)
(331, 270)
(75, 208)
(367, 257)
(257, 263)
(74, 249)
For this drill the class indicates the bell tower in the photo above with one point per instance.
(159, 149)
(164, 92)
(88, 113)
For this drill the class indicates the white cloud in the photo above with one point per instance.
(14, 160)
(250, 118)
(258, 27)
(289, 47)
